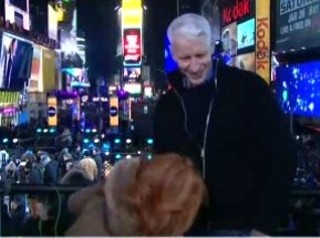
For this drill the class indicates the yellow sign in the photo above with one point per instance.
(132, 14)
(263, 56)
(131, 4)
(9, 99)
(114, 111)
(52, 111)
(48, 70)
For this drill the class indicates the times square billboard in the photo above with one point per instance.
(131, 24)
(245, 34)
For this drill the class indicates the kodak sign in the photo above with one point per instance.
(263, 57)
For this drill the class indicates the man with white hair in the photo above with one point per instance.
(228, 122)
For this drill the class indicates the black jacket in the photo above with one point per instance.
(250, 155)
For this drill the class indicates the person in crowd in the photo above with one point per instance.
(96, 155)
(89, 166)
(50, 170)
(4, 157)
(76, 154)
(64, 140)
(10, 172)
(76, 176)
(33, 173)
(227, 121)
(17, 214)
(139, 197)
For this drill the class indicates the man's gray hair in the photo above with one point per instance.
(189, 25)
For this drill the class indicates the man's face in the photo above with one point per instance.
(193, 57)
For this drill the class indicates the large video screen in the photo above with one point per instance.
(133, 88)
(297, 25)
(52, 23)
(15, 63)
(35, 82)
(246, 34)
(131, 74)
(298, 88)
(229, 39)
(246, 61)
(17, 11)
(132, 47)
(74, 78)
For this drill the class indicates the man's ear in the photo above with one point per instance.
(172, 52)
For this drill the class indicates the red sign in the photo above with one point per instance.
(237, 11)
(132, 51)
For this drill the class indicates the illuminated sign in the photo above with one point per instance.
(263, 39)
(131, 14)
(131, 4)
(52, 23)
(237, 11)
(17, 11)
(52, 111)
(132, 18)
(132, 50)
(114, 116)
(297, 24)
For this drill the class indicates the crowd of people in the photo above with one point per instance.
(69, 164)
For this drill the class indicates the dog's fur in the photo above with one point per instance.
(160, 197)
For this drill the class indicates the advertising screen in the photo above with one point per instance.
(132, 14)
(17, 11)
(52, 23)
(229, 42)
(131, 74)
(15, 62)
(298, 88)
(246, 61)
(297, 24)
(236, 10)
(68, 35)
(35, 82)
(133, 88)
(48, 69)
(132, 50)
(246, 34)
(74, 78)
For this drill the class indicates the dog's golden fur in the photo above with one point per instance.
(160, 197)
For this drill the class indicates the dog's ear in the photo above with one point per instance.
(78, 200)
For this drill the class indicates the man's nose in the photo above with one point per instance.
(194, 65)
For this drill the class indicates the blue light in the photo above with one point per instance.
(118, 156)
(39, 130)
(86, 141)
(117, 141)
(45, 130)
(52, 130)
(150, 141)
(106, 146)
(88, 130)
(5, 140)
(149, 157)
